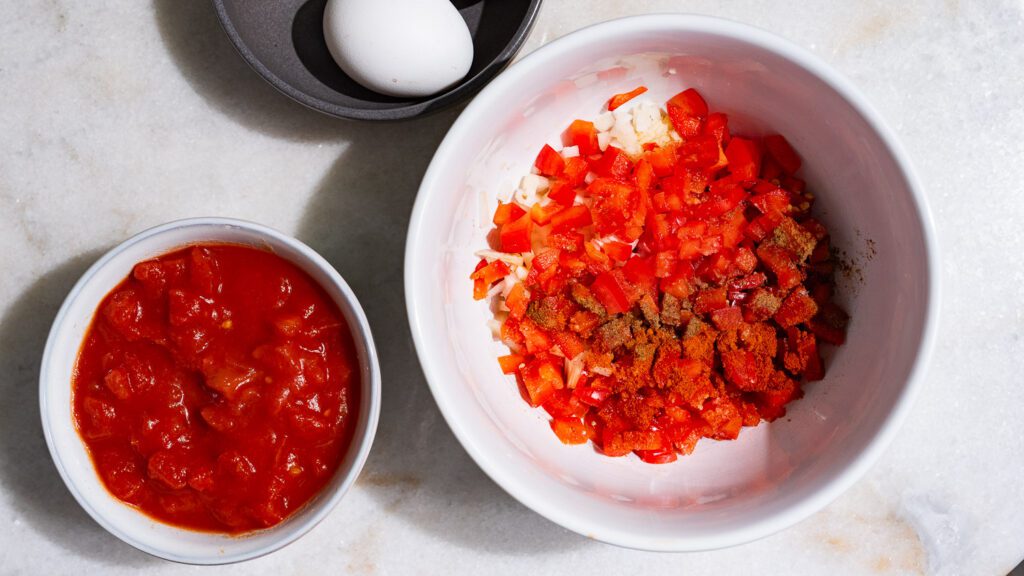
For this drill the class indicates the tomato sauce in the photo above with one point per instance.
(216, 388)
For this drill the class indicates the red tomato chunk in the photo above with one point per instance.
(216, 388)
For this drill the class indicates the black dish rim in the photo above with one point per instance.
(462, 91)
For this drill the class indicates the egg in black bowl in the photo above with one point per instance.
(283, 40)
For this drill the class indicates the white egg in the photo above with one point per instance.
(406, 48)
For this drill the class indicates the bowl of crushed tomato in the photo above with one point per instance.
(672, 282)
(210, 390)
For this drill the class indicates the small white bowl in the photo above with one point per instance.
(776, 474)
(69, 452)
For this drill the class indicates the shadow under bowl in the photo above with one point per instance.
(284, 42)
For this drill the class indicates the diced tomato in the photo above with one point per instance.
(583, 135)
(549, 162)
(515, 234)
(620, 99)
(780, 150)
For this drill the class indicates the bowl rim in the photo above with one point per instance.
(361, 335)
(464, 89)
(833, 483)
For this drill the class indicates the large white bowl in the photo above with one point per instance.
(69, 452)
(725, 493)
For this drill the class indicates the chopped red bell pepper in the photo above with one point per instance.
(613, 163)
(515, 234)
(620, 99)
(507, 212)
(610, 291)
(687, 111)
(583, 135)
(779, 149)
(744, 158)
(571, 219)
(549, 162)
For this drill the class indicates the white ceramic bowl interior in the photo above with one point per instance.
(69, 452)
(775, 474)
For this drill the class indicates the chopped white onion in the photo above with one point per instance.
(573, 370)
(506, 257)
(604, 121)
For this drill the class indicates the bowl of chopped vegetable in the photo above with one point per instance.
(648, 292)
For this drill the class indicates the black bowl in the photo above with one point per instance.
(283, 40)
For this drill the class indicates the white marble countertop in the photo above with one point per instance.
(116, 116)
